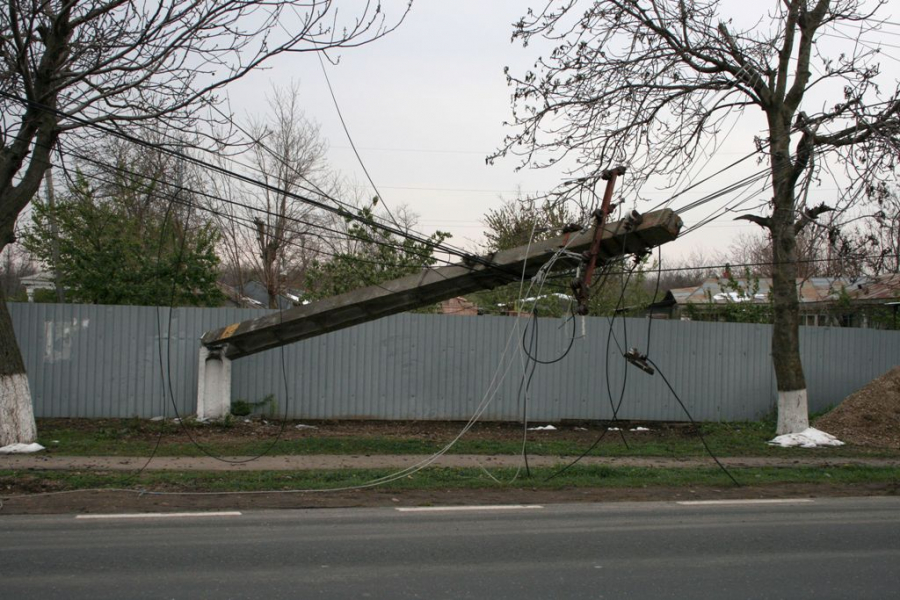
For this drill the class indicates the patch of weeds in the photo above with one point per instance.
(244, 408)
(108, 433)
(241, 408)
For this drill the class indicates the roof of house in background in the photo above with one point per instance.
(720, 290)
(458, 306)
(40, 280)
(877, 289)
(255, 296)
(256, 291)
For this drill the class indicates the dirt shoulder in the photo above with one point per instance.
(336, 462)
(105, 502)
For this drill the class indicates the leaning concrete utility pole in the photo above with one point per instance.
(634, 235)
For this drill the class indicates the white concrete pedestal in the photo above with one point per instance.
(213, 385)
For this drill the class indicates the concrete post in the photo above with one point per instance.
(213, 384)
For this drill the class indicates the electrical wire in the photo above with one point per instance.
(754, 264)
(167, 377)
(691, 419)
(443, 247)
(529, 366)
(615, 409)
(655, 294)
(250, 208)
(247, 223)
(350, 139)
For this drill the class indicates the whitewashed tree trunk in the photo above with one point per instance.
(16, 415)
(793, 412)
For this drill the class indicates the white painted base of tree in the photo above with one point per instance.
(793, 412)
(16, 413)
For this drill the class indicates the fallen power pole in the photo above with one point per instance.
(433, 285)
(636, 234)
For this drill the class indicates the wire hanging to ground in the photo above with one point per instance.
(691, 419)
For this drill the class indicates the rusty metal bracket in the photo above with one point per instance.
(581, 288)
(639, 360)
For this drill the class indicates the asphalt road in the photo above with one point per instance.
(826, 548)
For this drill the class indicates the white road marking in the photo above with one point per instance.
(758, 501)
(172, 515)
(462, 508)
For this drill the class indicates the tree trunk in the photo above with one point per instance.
(793, 412)
(16, 414)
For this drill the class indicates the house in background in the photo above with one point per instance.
(459, 306)
(42, 280)
(878, 300)
(824, 301)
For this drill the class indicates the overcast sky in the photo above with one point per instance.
(426, 104)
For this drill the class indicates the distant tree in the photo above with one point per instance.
(107, 255)
(651, 83)
(754, 250)
(522, 219)
(268, 234)
(372, 256)
(515, 223)
(878, 239)
(689, 271)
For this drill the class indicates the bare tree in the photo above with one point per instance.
(689, 271)
(68, 65)
(754, 250)
(651, 82)
(288, 157)
(877, 240)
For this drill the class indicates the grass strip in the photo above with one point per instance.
(588, 476)
(725, 443)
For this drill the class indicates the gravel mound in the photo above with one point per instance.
(870, 416)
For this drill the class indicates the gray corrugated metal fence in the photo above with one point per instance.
(122, 361)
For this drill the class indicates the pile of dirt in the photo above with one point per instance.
(869, 416)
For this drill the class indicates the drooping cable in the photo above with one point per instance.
(443, 247)
(691, 419)
(350, 139)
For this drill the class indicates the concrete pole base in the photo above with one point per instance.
(213, 385)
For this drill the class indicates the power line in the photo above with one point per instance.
(248, 222)
(350, 139)
(443, 247)
(732, 265)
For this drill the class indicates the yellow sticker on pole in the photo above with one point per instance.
(228, 331)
